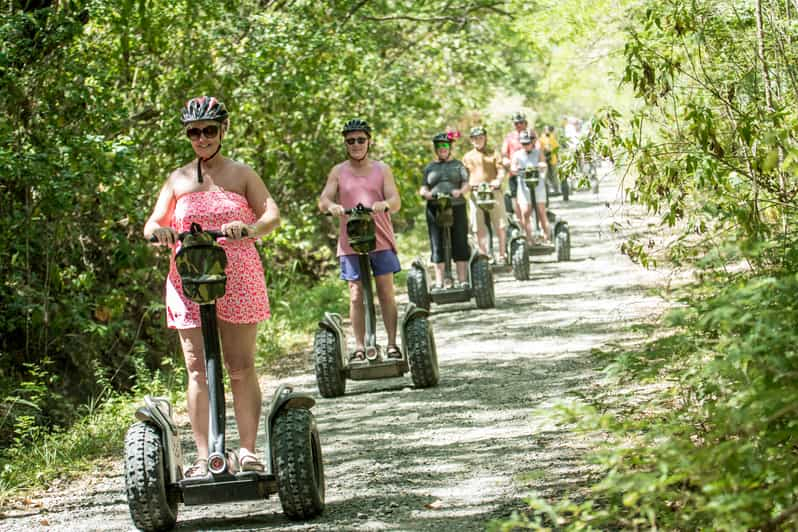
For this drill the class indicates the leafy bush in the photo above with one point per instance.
(717, 450)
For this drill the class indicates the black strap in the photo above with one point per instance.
(199, 163)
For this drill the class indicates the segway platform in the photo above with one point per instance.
(444, 296)
(379, 369)
(242, 486)
(541, 249)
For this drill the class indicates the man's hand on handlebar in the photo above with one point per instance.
(381, 206)
(427, 195)
(336, 210)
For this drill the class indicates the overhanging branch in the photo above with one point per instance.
(461, 18)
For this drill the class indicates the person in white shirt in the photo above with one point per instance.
(530, 155)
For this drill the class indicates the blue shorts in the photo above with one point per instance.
(382, 262)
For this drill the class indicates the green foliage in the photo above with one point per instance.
(713, 144)
(46, 455)
(716, 451)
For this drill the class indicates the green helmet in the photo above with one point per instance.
(478, 131)
(203, 108)
(356, 124)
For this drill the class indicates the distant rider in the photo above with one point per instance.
(484, 165)
(447, 175)
(550, 146)
(530, 156)
(362, 180)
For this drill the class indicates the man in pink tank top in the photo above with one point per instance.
(362, 180)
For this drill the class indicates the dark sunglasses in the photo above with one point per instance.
(208, 132)
(359, 140)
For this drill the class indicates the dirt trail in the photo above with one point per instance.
(468, 451)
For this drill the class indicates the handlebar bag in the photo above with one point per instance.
(201, 262)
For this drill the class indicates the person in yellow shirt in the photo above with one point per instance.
(484, 165)
(548, 142)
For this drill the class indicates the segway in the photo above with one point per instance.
(154, 480)
(559, 233)
(480, 276)
(419, 355)
(515, 243)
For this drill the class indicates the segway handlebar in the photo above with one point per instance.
(474, 188)
(441, 195)
(357, 209)
(215, 234)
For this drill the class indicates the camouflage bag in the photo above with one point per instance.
(201, 263)
(361, 233)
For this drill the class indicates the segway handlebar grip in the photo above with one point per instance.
(215, 234)
(359, 208)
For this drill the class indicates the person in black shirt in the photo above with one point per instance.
(447, 176)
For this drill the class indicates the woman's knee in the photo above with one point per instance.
(240, 372)
(193, 354)
(385, 287)
(355, 292)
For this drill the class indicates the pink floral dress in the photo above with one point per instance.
(246, 300)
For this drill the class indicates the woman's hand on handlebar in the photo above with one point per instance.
(427, 195)
(164, 236)
(235, 230)
(336, 210)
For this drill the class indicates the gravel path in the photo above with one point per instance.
(456, 456)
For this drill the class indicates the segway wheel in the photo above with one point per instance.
(562, 242)
(298, 463)
(153, 506)
(417, 288)
(566, 190)
(520, 258)
(482, 278)
(421, 353)
(330, 375)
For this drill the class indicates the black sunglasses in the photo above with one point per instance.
(208, 132)
(359, 140)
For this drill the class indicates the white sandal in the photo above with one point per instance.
(250, 461)
(198, 469)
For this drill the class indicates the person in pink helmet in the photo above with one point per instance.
(224, 195)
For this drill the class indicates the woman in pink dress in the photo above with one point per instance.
(228, 196)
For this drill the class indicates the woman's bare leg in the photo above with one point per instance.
(197, 393)
(238, 346)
